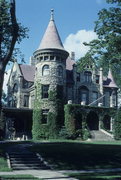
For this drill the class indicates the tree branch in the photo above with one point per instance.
(15, 30)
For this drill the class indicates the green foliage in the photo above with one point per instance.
(106, 50)
(37, 113)
(75, 124)
(55, 119)
(84, 61)
(2, 126)
(52, 95)
(117, 125)
(6, 27)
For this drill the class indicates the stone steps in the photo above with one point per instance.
(26, 161)
(97, 135)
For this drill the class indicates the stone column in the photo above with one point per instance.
(111, 124)
(101, 84)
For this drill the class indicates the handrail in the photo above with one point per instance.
(96, 100)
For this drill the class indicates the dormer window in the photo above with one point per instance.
(45, 70)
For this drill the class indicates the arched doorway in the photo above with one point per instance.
(92, 121)
(107, 122)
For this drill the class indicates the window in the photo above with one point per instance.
(51, 57)
(14, 101)
(25, 83)
(84, 94)
(46, 58)
(26, 101)
(59, 92)
(57, 58)
(44, 116)
(41, 58)
(45, 89)
(60, 71)
(15, 88)
(94, 97)
(45, 70)
(78, 77)
(97, 79)
(88, 76)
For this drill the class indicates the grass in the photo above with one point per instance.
(18, 177)
(96, 176)
(74, 155)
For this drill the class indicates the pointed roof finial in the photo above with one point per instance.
(52, 15)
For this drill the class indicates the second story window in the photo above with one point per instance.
(45, 89)
(88, 76)
(60, 71)
(45, 70)
(78, 77)
(15, 88)
(94, 97)
(97, 79)
(26, 101)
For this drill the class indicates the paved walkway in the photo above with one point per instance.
(57, 175)
(44, 174)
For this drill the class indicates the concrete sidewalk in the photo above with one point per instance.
(44, 174)
(57, 175)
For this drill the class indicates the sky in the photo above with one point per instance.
(74, 20)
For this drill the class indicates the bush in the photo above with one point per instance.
(117, 125)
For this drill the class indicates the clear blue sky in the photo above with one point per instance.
(70, 17)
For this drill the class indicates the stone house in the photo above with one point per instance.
(53, 67)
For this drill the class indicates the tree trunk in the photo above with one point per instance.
(2, 123)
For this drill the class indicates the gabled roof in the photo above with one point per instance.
(51, 38)
(28, 72)
(109, 82)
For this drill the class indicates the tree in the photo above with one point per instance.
(10, 33)
(106, 50)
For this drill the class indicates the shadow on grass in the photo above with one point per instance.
(79, 156)
(96, 176)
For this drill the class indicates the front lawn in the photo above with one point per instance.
(73, 155)
(19, 177)
(96, 176)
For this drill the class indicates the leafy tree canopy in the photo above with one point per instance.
(10, 30)
(106, 50)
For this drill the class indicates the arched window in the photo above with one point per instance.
(60, 71)
(45, 70)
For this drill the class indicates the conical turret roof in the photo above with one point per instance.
(51, 38)
(110, 80)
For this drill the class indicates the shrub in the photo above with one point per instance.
(117, 125)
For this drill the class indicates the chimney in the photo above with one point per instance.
(72, 55)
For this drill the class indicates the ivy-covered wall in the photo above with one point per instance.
(69, 121)
(76, 119)
(55, 116)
